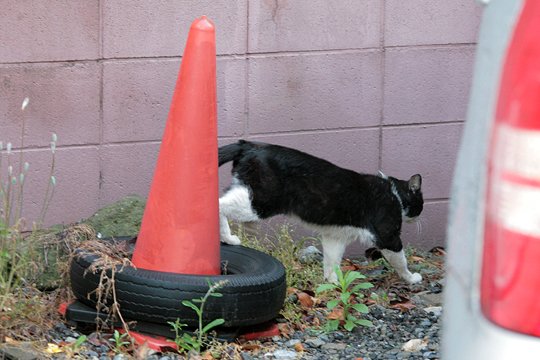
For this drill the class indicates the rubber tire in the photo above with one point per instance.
(254, 293)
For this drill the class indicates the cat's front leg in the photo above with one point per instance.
(399, 262)
(333, 250)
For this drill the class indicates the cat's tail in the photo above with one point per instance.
(233, 151)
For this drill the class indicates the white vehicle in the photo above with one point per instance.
(492, 294)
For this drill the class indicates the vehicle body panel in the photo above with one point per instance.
(467, 333)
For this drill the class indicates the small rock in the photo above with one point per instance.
(414, 345)
(90, 354)
(276, 338)
(292, 343)
(60, 327)
(374, 273)
(284, 354)
(377, 311)
(94, 339)
(246, 356)
(334, 346)
(431, 299)
(23, 351)
(435, 310)
(324, 337)
(120, 357)
(309, 255)
(314, 342)
(70, 339)
(425, 323)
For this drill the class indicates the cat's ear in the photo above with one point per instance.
(415, 182)
(381, 174)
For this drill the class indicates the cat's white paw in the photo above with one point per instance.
(231, 240)
(415, 278)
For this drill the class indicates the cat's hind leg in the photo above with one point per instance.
(225, 233)
(399, 262)
(235, 204)
(333, 250)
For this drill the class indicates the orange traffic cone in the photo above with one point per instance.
(180, 226)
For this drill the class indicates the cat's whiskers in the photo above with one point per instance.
(418, 221)
(419, 225)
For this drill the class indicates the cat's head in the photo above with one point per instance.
(410, 195)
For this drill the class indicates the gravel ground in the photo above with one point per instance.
(385, 340)
(391, 330)
(406, 325)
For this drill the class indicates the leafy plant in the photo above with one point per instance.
(78, 343)
(119, 341)
(346, 302)
(76, 346)
(187, 342)
(184, 342)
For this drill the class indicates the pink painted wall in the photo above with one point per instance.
(368, 84)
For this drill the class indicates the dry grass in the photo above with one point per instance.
(113, 257)
(300, 277)
(27, 312)
(285, 248)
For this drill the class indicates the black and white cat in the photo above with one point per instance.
(340, 204)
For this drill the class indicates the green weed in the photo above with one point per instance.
(347, 292)
(194, 343)
(119, 341)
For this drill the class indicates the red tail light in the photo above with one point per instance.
(510, 284)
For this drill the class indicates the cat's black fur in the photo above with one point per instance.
(287, 181)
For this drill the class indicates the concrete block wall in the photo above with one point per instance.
(367, 84)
